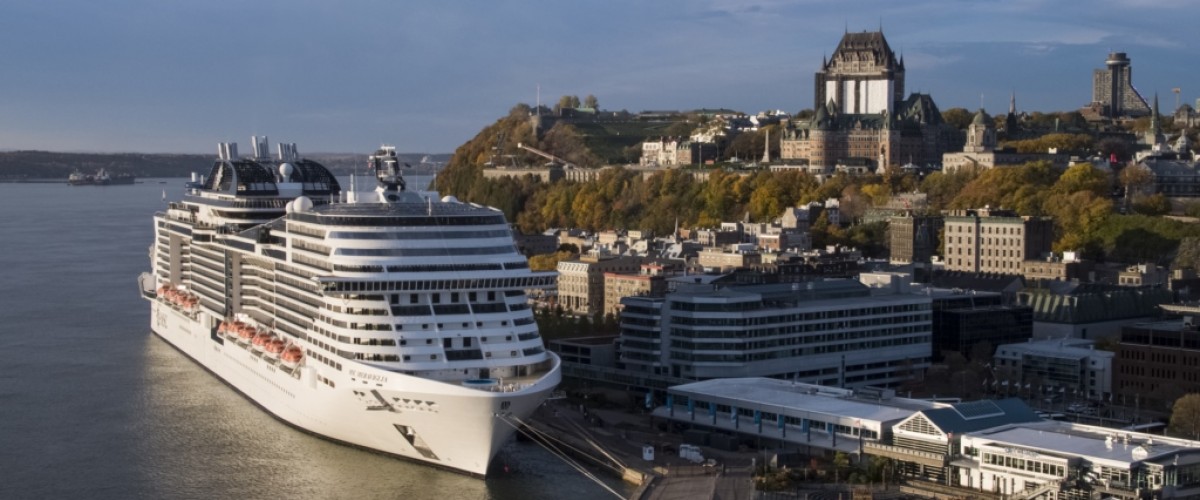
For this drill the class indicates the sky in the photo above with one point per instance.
(178, 76)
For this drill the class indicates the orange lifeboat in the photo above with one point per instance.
(274, 347)
(223, 327)
(262, 339)
(246, 332)
(292, 356)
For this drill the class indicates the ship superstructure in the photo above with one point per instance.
(388, 319)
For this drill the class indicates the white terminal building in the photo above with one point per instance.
(1000, 447)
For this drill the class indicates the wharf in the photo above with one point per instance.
(623, 435)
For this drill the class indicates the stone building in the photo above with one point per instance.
(994, 241)
(861, 115)
(581, 281)
(980, 150)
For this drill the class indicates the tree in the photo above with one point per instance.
(1185, 417)
(959, 118)
(1153, 205)
(567, 102)
(840, 461)
(591, 102)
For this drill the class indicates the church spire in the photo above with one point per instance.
(1012, 103)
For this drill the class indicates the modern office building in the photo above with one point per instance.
(832, 332)
(1059, 366)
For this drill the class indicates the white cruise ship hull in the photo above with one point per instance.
(442, 424)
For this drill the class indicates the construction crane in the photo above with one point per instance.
(548, 156)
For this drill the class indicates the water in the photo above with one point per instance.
(92, 405)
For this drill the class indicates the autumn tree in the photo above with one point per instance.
(591, 102)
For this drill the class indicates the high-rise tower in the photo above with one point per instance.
(1112, 89)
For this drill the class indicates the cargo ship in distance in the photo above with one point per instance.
(388, 319)
(100, 178)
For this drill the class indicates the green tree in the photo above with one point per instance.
(1185, 417)
(840, 462)
(1155, 204)
(591, 102)
(959, 118)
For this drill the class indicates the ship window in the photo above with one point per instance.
(508, 338)
(413, 298)
(447, 343)
(407, 357)
(428, 341)
(433, 357)
(403, 342)
(436, 297)
(491, 296)
(425, 326)
(454, 297)
(467, 342)
(472, 296)
(504, 323)
(465, 324)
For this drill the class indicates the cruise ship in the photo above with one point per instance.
(387, 319)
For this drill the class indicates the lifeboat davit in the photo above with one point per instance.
(291, 356)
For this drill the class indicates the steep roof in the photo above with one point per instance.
(865, 46)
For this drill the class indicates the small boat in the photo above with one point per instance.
(291, 356)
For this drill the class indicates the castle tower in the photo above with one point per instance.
(862, 77)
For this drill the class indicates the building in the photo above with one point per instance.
(1065, 309)
(861, 116)
(994, 241)
(1052, 459)
(1158, 361)
(619, 285)
(1062, 366)
(1066, 267)
(669, 152)
(820, 419)
(588, 351)
(968, 321)
(980, 150)
(719, 259)
(914, 238)
(832, 332)
(581, 281)
(1113, 94)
